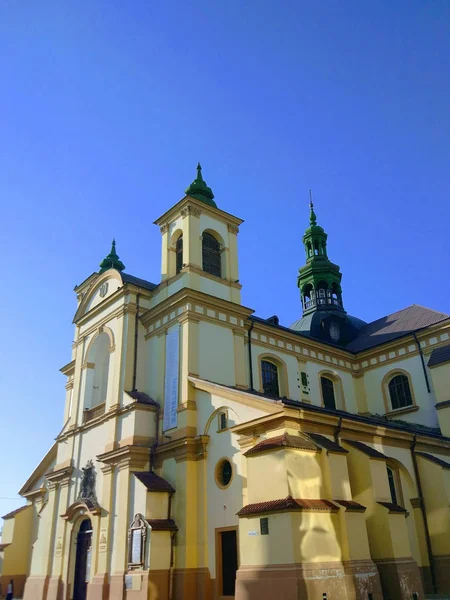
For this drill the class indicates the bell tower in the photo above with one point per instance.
(319, 279)
(199, 245)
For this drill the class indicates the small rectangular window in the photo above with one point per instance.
(370, 596)
(304, 379)
(264, 524)
(223, 421)
(324, 596)
(415, 596)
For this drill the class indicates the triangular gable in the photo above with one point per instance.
(42, 468)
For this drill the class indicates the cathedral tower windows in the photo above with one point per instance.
(97, 371)
(179, 253)
(211, 255)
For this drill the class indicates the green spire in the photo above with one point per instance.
(199, 190)
(112, 261)
(312, 214)
(319, 279)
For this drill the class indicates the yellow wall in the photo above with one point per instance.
(17, 533)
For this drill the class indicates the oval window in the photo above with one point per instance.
(334, 332)
(224, 473)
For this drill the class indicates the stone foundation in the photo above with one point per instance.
(400, 578)
(55, 589)
(442, 570)
(192, 584)
(158, 584)
(427, 582)
(98, 588)
(362, 579)
(19, 584)
(353, 580)
(36, 588)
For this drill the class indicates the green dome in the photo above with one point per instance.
(199, 190)
(112, 261)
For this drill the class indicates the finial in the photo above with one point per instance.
(312, 214)
(199, 190)
(112, 261)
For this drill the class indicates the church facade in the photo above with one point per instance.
(208, 453)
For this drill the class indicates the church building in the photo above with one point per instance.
(208, 453)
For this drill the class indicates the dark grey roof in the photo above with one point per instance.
(439, 355)
(396, 325)
(142, 397)
(326, 443)
(138, 281)
(368, 450)
(153, 482)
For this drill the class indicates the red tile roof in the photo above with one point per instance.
(13, 513)
(366, 449)
(435, 459)
(286, 504)
(393, 508)
(283, 441)
(162, 524)
(351, 505)
(153, 482)
(327, 444)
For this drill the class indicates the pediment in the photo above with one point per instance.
(36, 480)
(100, 289)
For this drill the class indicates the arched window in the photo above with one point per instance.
(211, 255)
(97, 374)
(269, 373)
(392, 485)
(179, 253)
(400, 392)
(316, 247)
(329, 400)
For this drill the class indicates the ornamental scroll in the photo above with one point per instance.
(137, 536)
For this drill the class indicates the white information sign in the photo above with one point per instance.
(171, 379)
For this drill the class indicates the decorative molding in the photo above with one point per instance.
(190, 210)
(232, 228)
(88, 365)
(164, 228)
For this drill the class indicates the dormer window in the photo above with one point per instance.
(211, 255)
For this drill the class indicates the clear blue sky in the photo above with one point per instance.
(106, 107)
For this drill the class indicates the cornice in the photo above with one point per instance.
(186, 448)
(216, 213)
(68, 369)
(186, 296)
(126, 457)
(114, 411)
(60, 475)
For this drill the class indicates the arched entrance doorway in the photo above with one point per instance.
(83, 560)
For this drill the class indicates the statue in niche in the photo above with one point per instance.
(87, 489)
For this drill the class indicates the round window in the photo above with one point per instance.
(224, 473)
